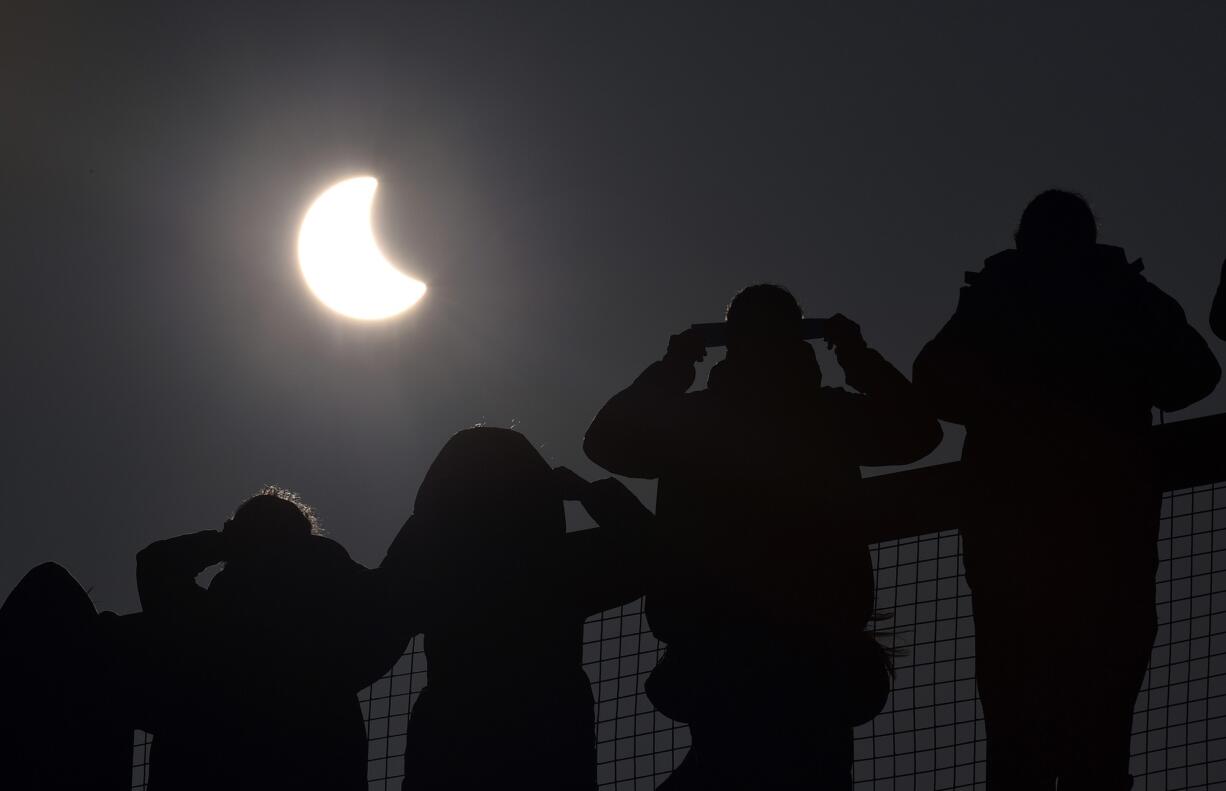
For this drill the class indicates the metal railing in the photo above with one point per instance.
(930, 734)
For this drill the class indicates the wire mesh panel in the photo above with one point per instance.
(930, 734)
(636, 746)
(386, 705)
(141, 742)
(1179, 728)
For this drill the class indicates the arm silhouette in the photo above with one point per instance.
(166, 572)
(610, 564)
(1217, 313)
(952, 368)
(415, 568)
(994, 356)
(983, 362)
(633, 433)
(892, 424)
(1183, 367)
(350, 632)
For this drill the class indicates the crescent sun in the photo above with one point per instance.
(341, 260)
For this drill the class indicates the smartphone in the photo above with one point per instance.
(716, 333)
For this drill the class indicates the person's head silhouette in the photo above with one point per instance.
(271, 518)
(1056, 221)
(492, 483)
(761, 317)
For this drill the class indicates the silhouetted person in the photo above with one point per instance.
(260, 670)
(1053, 360)
(765, 584)
(1217, 313)
(65, 721)
(508, 704)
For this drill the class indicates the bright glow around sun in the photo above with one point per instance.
(341, 260)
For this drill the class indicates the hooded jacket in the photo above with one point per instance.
(486, 570)
(1054, 363)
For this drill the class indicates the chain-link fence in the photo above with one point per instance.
(930, 734)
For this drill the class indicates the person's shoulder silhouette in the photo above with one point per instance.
(769, 376)
(263, 666)
(1063, 325)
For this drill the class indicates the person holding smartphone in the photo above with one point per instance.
(764, 586)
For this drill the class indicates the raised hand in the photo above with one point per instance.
(688, 346)
(841, 332)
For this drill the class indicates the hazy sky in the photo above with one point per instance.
(575, 184)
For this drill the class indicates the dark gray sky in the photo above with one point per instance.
(574, 185)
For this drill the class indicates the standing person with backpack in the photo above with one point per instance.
(764, 585)
(1057, 353)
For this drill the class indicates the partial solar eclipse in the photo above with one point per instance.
(341, 260)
